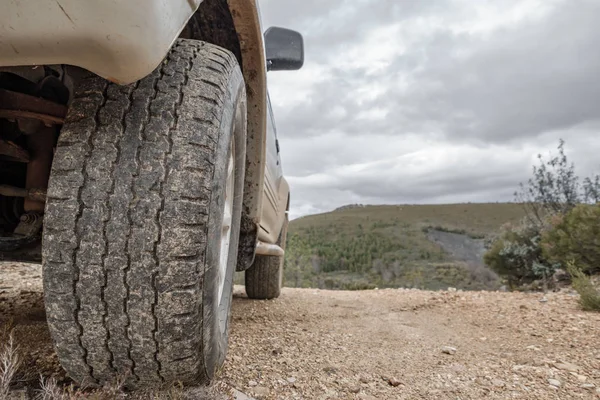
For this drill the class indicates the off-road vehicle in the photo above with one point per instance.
(139, 163)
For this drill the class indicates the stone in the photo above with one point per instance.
(261, 391)
(588, 386)
(498, 383)
(565, 366)
(354, 389)
(449, 350)
(394, 382)
(554, 382)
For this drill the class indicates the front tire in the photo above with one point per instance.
(144, 199)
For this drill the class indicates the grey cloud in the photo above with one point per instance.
(530, 82)
(330, 25)
(520, 82)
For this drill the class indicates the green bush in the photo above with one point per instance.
(560, 224)
(589, 296)
(576, 237)
(517, 255)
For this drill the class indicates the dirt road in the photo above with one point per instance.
(380, 344)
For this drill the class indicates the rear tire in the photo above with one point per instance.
(264, 279)
(136, 217)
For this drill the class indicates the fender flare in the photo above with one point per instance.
(246, 19)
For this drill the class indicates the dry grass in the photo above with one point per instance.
(9, 360)
(589, 295)
(50, 390)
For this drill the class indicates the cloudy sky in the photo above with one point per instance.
(433, 101)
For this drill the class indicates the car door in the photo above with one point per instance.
(275, 188)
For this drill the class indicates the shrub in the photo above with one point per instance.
(557, 226)
(517, 255)
(576, 237)
(589, 296)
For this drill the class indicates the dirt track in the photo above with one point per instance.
(381, 344)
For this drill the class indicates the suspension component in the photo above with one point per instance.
(31, 194)
(13, 151)
(20, 106)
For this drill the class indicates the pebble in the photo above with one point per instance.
(498, 383)
(367, 397)
(252, 383)
(354, 389)
(261, 391)
(565, 366)
(449, 350)
(588, 386)
(291, 380)
(554, 382)
(394, 382)
(364, 379)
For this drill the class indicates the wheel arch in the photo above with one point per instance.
(236, 26)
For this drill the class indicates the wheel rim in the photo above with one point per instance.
(227, 222)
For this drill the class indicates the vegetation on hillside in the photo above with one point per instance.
(388, 246)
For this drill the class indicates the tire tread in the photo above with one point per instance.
(122, 162)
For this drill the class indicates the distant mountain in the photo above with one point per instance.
(421, 246)
(349, 207)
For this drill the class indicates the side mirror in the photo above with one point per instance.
(284, 48)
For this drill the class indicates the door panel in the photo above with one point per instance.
(273, 211)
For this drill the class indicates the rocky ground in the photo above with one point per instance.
(379, 344)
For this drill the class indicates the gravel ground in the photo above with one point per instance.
(380, 344)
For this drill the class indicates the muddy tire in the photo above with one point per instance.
(264, 278)
(144, 181)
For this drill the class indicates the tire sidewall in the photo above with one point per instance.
(214, 338)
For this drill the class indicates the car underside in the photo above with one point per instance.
(33, 105)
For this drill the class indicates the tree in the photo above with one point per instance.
(555, 189)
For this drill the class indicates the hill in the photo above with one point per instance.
(422, 246)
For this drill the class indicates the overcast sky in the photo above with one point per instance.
(406, 101)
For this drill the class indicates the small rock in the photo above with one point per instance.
(543, 300)
(449, 350)
(554, 382)
(364, 379)
(261, 391)
(367, 397)
(394, 382)
(252, 383)
(565, 366)
(277, 351)
(588, 386)
(291, 380)
(498, 383)
(354, 389)
(330, 369)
